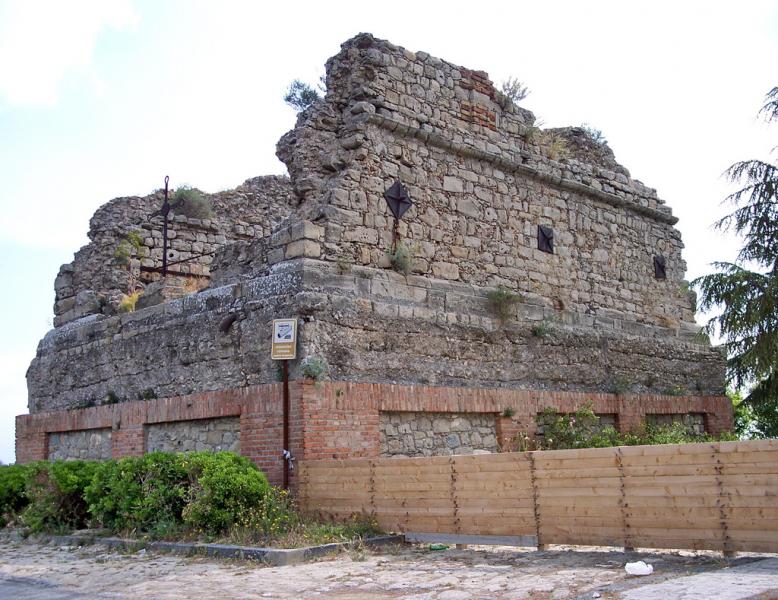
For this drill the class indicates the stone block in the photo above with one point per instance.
(444, 270)
(453, 184)
(304, 248)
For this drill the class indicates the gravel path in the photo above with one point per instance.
(34, 571)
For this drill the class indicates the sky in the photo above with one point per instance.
(103, 98)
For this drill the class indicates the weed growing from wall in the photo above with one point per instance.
(313, 367)
(402, 258)
(502, 302)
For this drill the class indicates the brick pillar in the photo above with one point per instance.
(128, 440)
(262, 431)
(30, 445)
(719, 414)
(261, 438)
(506, 430)
(631, 413)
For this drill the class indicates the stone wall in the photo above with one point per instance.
(435, 434)
(482, 178)
(89, 444)
(591, 316)
(337, 419)
(369, 325)
(694, 422)
(186, 436)
(94, 283)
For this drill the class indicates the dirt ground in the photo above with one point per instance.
(403, 572)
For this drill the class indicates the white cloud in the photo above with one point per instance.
(43, 41)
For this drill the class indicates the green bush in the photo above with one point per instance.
(13, 479)
(402, 258)
(164, 494)
(191, 203)
(567, 430)
(582, 430)
(501, 302)
(224, 486)
(145, 493)
(55, 492)
(313, 367)
(269, 520)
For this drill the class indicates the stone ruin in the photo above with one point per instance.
(586, 259)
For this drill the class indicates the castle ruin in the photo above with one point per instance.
(421, 362)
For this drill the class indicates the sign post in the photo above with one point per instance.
(284, 348)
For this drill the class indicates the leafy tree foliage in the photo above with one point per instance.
(747, 290)
(300, 95)
(515, 89)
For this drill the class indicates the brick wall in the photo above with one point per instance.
(341, 419)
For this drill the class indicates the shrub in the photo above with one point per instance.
(224, 486)
(146, 493)
(127, 248)
(13, 479)
(300, 95)
(191, 203)
(581, 430)
(267, 520)
(558, 148)
(501, 302)
(542, 329)
(344, 264)
(402, 258)
(313, 367)
(357, 526)
(163, 494)
(567, 430)
(594, 134)
(514, 90)
(56, 495)
(531, 133)
(129, 301)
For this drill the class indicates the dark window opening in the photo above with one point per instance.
(545, 239)
(660, 267)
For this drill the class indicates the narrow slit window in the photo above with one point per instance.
(660, 267)
(545, 239)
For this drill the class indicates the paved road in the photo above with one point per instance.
(757, 579)
(34, 571)
(25, 588)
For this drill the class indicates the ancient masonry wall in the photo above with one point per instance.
(212, 435)
(368, 325)
(340, 419)
(94, 283)
(482, 178)
(89, 444)
(594, 318)
(436, 434)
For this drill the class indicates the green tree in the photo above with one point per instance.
(300, 95)
(746, 291)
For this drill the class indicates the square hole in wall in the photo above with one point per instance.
(545, 239)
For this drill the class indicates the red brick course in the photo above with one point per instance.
(341, 419)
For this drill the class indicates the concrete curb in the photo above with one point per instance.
(272, 556)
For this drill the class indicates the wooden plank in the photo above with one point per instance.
(688, 512)
(669, 502)
(551, 482)
(468, 493)
(549, 531)
(481, 540)
(576, 492)
(497, 504)
(770, 456)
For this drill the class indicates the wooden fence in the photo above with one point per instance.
(718, 496)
